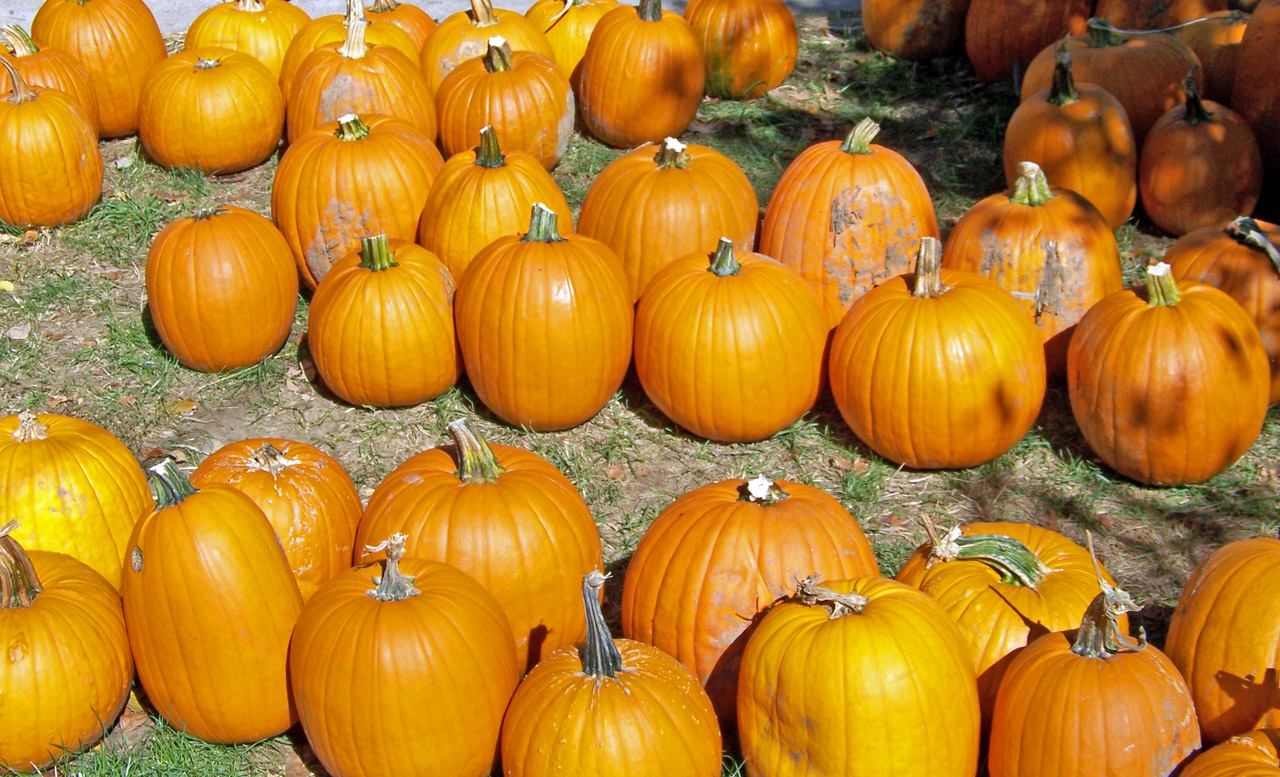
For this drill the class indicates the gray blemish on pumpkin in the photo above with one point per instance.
(847, 262)
(336, 235)
(135, 559)
(343, 95)
(564, 128)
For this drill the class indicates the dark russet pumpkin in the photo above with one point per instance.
(568, 25)
(47, 66)
(1255, 95)
(1255, 754)
(1216, 44)
(1168, 386)
(1155, 14)
(332, 28)
(718, 556)
(263, 29)
(410, 18)
(1000, 35)
(465, 35)
(749, 46)
(67, 671)
(914, 29)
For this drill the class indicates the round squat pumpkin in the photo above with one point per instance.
(47, 66)
(465, 35)
(1255, 754)
(263, 29)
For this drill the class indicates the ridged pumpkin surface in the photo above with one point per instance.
(1002, 34)
(749, 46)
(568, 32)
(465, 35)
(1256, 754)
(407, 17)
(914, 29)
(1216, 44)
(1255, 95)
(47, 66)
(323, 30)
(1155, 14)
(263, 29)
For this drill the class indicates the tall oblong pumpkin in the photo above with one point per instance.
(749, 46)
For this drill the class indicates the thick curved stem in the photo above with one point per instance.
(1099, 634)
(482, 14)
(542, 226)
(1013, 561)
(1063, 91)
(600, 655)
(476, 460)
(1162, 288)
(22, 91)
(928, 274)
(170, 484)
(672, 154)
(18, 40)
(761, 490)
(29, 428)
(497, 58)
(723, 262)
(811, 594)
(392, 585)
(1246, 231)
(1031, 188)
(354, 46)
(1194, 110)
(19, 584)
(650, 10)
(858, 141)
(375, 253)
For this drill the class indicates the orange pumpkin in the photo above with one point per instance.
(715, 559)
(521, 308)
(654, 205)
(409, 18)
(49, 67)
(347, 180)
(1155, 14)
(568, 25)
(210, 604)
(80, 491)
(503, 515)
(1255, 95)
(659, 53)
(1000, 35)
(304, 492)
(68, 668)
(381, 325)
(749, 46)
(323, 30)
(118, 42)
(465, 35)
(263, 29)
(1216, 44)
(848, 216)
(214, 110)
(1256, 754)
(914, 29)
(222, 288)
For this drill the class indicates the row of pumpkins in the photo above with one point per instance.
(471, 625)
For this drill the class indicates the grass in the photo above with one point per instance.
(89, 351)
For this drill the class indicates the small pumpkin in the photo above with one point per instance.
(568, 25)
(1255, 754)
(49, 67)
(465, 35)
(409, 18)
(749, 46)
(332, 28)
(263, 29)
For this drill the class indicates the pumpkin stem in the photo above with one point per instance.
(1162, 288)
(858, 141)
(928, 275)
(650, 10)
(672, 154)
(1103, 33)
(761, 490)
(19, 585)
(489, 154)
(1099, 634)
(1194, 111)
(18, 40)
(498, 57)
(568, 6)
(270, 459)
(375, 253)
(204, 214)
(252, 6)
(29, 428)
(811, 594)
(22, 92)
(170, 484)
(600, 655)
(723, 262)
(351, 128)
(384, 6)
(1247, 232)
(477, 462)
(482, 14)
(207, 64)
(354, 46)
(1012, 560)
(1063, 92)
(1032, 187)
(392, 585)
(542, 226)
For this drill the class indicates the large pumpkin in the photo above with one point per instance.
(68, 670)
(914, 29)
(263, 29)
(80, 490)
(1216, 43)
(465, 35)
(503, 515)
(1255, 754)
(333, 29)
(749, 46)
(47, 66)
(1255, 95)
(568, 25)
(1000, 35)
(718, 556)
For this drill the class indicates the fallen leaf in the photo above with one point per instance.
(59, 399)
(131, 728)
(301, 762)
(1051, 522)
(162, 453)
(19, 332)
(29, 237)
(127, 400)
(858, 465)
(641, 471)
(616, 471)
(53, 336)
(180, 406)
(1105, 521)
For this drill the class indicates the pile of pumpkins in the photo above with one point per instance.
(458, 617)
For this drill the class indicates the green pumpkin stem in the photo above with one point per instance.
(761, 490)
(1063, 91)
(810, 594)
(600, 655)
(542, 226)
(650, 10)
(170, 484)
(1013, 561)
(392, 585)
(270, 459)
(1194, 111)
(22, 92)
(19, 584)
(476, 460)
(354, 47)
(384, 6)
(375, 254)
(928, 274)
(204, 214)
(351, 128)
(482, 14)
(1103, 33)
(1099, 633)
(1246, 231)
(1162, 288)
(723, 262)
(1031, 188)
(858, 141)
(29, 428)
(672, 154)
(18, 40)
(497, 59)
(489, 155)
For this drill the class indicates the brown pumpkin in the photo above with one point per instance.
(1255, 754)
(1155, 14)
(409, 18)
(749, 46)
(1216, 43)
(848, 216)
(914, 29)
(1255, 95)
(1000, 35)
(465, 35)
(333, 29)
(49, 67)
(263, 29)
(568, 25)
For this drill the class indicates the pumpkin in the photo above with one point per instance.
(209, 603)
(49, 67)
(332, 28)
(117, 41)
(465, 35)
(914, 29)
(749, 46)
(403, 667)
(1255, 95)
(655, 204)
(68, 668)
(347, 180)
(1093, 701)
(222, 288)
(1080, 136)
(848, 216)
(568, 25)
(523, 95)
(858, 677)
(356, 77)
(545, 326)
(656, 51)
(50, 166)
(305, 493)
(1155, 14)
(940, 369)
(1255, 754)
(609, 707)
(1049, 247)
(80, 490)
(1001, 35)
(214, 110)
(263, 29)
(1216, 41)
(381, 325)
(1222, 637)
(1005, 584)
(482, 195)
(731, 351)
(1241, 258)
(718, 556)
(409, 18)
(1199, 166)
(1169, 386)
(1143, 72)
